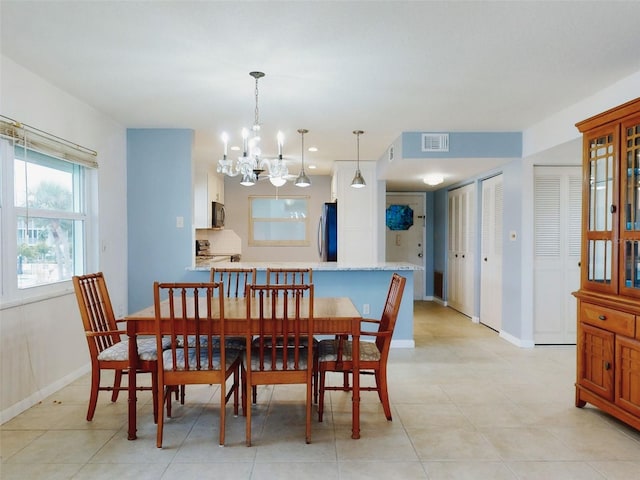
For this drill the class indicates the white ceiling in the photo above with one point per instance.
(331, 66)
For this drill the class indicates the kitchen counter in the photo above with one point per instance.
(366, 285)
(204, 265)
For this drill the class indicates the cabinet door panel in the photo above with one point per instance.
(596, 367)
(628, 374)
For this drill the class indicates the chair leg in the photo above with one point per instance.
(162, 393)
(223, 409)
(95, 387)
(154, 393)
(117, 381)
(383, 394)
(321, 374)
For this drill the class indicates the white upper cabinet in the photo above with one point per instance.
(208, 187)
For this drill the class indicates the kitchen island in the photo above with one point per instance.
(366, 285)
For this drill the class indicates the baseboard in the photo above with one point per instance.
(17, 408)
(475, 319)
(403, 344)
(516, 341)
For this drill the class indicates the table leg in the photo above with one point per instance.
(355, 354)
(133, 367)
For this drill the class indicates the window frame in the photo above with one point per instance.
(84, 178)
(282, 242)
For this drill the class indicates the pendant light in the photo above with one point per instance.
(358, 181)
(302, 180)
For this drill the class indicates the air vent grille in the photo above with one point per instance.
(435, 142)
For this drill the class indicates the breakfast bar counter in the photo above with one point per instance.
(366, 285)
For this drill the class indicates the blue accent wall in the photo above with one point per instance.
(159, 189)
(362, 286)
(467, 145)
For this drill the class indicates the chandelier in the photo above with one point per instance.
(251, 164)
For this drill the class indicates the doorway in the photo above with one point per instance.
(405, 234)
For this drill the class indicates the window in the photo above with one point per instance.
(44, 212)
(278, 221)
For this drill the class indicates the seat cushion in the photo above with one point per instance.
(167, 357)
(120, 351)
(238, 343)
(304, 342)
(255, 360)
(328, 351)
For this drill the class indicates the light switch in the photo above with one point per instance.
(179, 222)
(398, 239)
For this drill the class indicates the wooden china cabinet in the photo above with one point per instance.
(608, 342)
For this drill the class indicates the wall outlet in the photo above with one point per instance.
(365, 309)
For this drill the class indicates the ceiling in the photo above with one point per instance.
(384, 67)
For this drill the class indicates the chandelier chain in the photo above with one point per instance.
(257, 112)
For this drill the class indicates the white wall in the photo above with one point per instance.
(42, 345)
(556, 141)
(236, 204)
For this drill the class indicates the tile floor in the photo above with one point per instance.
(466, 405)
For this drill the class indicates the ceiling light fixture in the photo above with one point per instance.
(358, 181)
(251, 164)
(433, 179)
(302, 180)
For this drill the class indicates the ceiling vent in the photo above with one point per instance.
(435, 142)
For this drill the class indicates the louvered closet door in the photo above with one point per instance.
(557, 198)
(491, 254)
(460, 255)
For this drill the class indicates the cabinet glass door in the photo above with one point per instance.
(600, 254)
(630, 221)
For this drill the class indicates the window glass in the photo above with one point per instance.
(279, 221)
(47, 214)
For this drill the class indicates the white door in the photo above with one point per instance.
(491, 254)
(460, 252)
(557, 217)
(408, 245)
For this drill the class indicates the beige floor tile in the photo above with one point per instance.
(452, 444)
(465, 404)
(354, 470)
(468, 470)
(295, 471)
(530, 443)
(554, 470)
(39, 471)
(617, 470)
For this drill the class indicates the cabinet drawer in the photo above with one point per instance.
(609, 319)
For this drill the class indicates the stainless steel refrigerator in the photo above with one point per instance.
(328, 233)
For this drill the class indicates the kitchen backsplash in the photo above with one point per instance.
(223, 242)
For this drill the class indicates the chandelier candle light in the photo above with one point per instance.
(251, 164)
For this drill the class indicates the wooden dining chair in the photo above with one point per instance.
(235, 280)
(107, 349)
(289, 276)
(335, 355)
(294, 276)
(185, 311)
(280, 313)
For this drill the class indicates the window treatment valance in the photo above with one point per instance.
(35, 139)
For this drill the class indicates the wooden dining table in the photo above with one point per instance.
(331, 316)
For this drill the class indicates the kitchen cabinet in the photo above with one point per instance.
(608, 341)
(208, 187)
(358, 212)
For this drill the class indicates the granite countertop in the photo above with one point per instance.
(319, 266)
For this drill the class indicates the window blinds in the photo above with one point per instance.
(32, 138)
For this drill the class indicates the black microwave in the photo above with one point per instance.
(217, 215)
